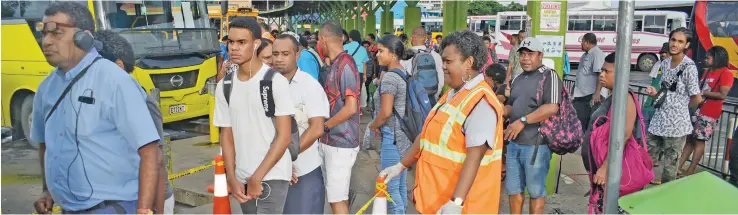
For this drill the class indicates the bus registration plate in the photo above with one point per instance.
(175, 109)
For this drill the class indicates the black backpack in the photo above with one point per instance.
(267, 101)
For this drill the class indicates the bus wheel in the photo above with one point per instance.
(645, 62)
(26, 114)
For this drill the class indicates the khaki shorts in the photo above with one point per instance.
(337, 165)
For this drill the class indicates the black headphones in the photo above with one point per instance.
(83, 40)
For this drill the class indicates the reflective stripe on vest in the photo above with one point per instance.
(456, 116)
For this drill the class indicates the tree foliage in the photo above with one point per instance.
(485, 7)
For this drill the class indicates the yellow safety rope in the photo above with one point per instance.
(381, 188)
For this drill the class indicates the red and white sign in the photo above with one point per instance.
(550, 16)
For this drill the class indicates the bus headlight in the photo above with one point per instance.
(209, 88)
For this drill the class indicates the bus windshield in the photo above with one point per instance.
(722, 19)
(174, 41)
(155, 14)
(161, 28)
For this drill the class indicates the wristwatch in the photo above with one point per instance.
(458, 201)
(524, 120)
(326, 129)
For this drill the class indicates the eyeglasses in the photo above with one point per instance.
(48, 27)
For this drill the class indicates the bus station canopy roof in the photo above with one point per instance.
(293, 8)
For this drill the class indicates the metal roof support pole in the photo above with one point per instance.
(287, 21)
(454, 16)
(412, 17)
(449, 23)
(371, 17)
(387, 22)
(356, 16)
(620, 98)
(366, 7)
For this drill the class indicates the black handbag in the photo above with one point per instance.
(660, 97)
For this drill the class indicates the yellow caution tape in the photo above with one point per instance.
(191, 171)
(381, 187)
(56, 210)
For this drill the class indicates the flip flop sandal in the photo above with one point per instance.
(654, 182)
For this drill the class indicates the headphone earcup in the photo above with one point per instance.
(83, 40)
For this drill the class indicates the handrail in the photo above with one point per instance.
(716, 150)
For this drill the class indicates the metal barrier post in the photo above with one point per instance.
(617, 128)
(214, 132)
(730, 131)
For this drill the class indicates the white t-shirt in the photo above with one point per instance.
(253, 131)
(310, 101)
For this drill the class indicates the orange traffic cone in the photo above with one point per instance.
(380, 202)
(221, 201)
(211, 188)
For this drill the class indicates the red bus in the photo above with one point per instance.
(715, 23)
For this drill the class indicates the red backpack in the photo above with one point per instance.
(562, 131)
(637, 165)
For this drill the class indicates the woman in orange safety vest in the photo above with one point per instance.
(458, 151)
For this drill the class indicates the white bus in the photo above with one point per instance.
(650, 30)
(481, 23)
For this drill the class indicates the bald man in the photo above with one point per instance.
(417, 39)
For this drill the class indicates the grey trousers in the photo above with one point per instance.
(271, 201)
(671, 147)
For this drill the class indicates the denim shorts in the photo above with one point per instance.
(520, 172)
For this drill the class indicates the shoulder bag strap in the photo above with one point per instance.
(69, 87)
(356, 50)
(267, 93)
(317, 60)
(228, 87)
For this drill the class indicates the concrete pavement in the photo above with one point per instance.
(570, 198)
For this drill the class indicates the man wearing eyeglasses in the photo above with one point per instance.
(97, 142)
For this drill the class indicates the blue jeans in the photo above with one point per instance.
(397, 187)
(521, 174)
(109, 207)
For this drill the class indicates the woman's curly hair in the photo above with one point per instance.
(469, 45)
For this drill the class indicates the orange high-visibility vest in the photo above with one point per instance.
(443, 150)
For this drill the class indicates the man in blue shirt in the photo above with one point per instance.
(308, 62)
(224, 48)
(358, 52)
(99, 148)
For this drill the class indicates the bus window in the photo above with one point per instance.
(670, 25)
(722, 19)
(31, 11)
(580, 23)
(604, 23)
(654, 24)
(512, 23)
